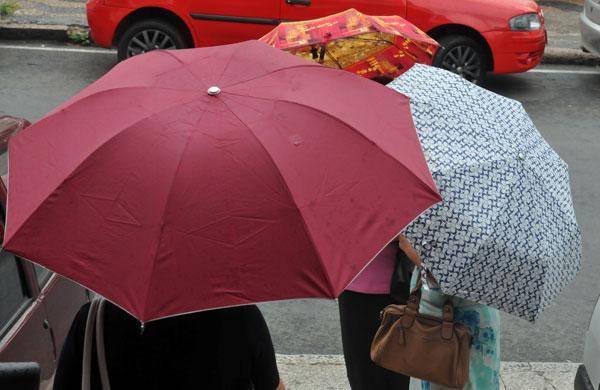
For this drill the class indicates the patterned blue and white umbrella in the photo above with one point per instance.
(505, 234)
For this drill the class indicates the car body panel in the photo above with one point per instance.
(516, 51)
(10, 126)
(320, 8)
(54, 297)
(468, 13)
(264, 13)
(28, 340)
(103, 33)
(591, 353)
(589, 24)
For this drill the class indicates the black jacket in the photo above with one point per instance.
(217, 349)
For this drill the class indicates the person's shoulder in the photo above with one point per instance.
(248, 312)
(247, 316)
(77, 331)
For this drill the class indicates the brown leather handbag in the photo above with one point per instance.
(420, 346)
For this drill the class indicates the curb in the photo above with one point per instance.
(309, 372)
(506, 365)
(560, 56)
(35, 32)
(38, 32)
(60, 33)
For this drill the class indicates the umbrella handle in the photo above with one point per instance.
(315, 52)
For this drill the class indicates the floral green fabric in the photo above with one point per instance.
(484, 324)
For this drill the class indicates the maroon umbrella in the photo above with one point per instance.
(204, 178)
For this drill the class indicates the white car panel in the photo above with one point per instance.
(589, 24)
(591, 354)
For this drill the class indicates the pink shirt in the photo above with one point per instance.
(376, 277)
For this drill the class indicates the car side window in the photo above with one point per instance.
(42, 275)
(13, 295)
(3, 163)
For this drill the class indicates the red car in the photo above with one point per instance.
(501, 36)
(36, 306)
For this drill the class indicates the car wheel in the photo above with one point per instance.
(462, 55)
(148, 35)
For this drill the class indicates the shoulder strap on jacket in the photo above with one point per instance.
(87, 346)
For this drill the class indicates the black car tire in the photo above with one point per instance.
(147, 35)
(462, 55)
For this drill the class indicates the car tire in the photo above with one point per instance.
(147, 35)
(462, 55)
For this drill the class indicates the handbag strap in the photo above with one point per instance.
(94, 322)
(412, 305)
(87, 345)
(448, 319)
(100, 348)
(412, 309)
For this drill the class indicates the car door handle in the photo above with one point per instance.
(305, 3)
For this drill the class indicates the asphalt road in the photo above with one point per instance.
(564, 103)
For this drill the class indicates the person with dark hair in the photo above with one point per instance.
(223, 349)
(360, 304)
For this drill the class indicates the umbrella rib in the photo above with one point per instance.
(225, 68)
(307, 65)
(368, 40)
(187, 69)
(287, 188)
(412, 56)
(328, 52)
(367, 139)
(162, 218)
(77, 99)
(345, 123)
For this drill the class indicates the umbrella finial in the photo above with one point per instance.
(214, 91)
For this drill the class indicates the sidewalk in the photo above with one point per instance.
(51, 19)
(327, 372)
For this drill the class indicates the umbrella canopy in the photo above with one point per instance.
(505, 234)
(205, 178)
(369, 46)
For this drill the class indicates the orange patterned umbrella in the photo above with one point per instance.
(369, 46)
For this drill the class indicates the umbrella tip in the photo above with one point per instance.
(214, 91)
